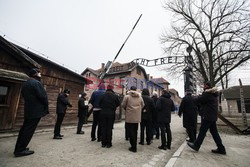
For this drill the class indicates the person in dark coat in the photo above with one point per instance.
(108, 103)
(82, 112)
(35, 107)
(208, 103)
(147, 117)
(164, 107)
(155, 125)
(189, 111)
(61, 107)
(95, 100)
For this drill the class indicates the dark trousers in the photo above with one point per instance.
(25, 134)
(96, 122)
(156, 129)
(165, 128)
(126, 131)
(191, 131)
(132, 131)
(148, 125)
(211, 125)
(107, 123)
(59, 120)
(81, 121)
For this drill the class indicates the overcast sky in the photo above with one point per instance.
(86, 33)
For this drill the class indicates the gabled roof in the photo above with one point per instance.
(160, 80)
(17, 53)
(234, 92)
(90, 70)
(127, 67)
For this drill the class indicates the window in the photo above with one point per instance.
(138, 71)
(3, 94)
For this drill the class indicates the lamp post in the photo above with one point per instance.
(188, 74)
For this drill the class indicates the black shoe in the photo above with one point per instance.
(141, 143)
(162, 147)
(93, 139)
(132, 149)
(57, 137)
(27, 149)
(148, 143)
(191, 145)
(108, 146)
(217, 151)
(81, 132)
(169, 147)
(60, 135)
(104, 145)
(23, 153)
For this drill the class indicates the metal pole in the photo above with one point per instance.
(105, 72)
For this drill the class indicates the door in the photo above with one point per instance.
(9, 98)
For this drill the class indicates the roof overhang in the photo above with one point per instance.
(13, 75)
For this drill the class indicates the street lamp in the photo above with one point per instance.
(188, 75)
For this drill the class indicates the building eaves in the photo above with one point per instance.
(234, 92)
(18, 54)
(29, 53)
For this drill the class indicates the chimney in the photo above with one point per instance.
(102, 66)
(151, 77)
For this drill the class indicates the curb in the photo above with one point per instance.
(176, 155)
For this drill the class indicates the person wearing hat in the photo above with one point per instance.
(132, 104)
(189, 110)
(208, 103)
(61, 107)
(35, 107)
(82, 112)
(109, 101)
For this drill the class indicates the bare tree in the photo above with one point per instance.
(217, 30)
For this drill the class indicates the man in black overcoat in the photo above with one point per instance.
(155, 124)
(147, 117)
(208, 103)
(109, 101)
(189, 110)
(82, 112)
(164, 107)
(35, 107)
(61, 107)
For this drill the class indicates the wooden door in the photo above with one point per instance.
(9, 98)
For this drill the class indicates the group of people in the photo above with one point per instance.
(153, 114)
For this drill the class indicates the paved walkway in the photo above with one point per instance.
(237, 147)
(78, 151)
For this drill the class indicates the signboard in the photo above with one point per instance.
(159, 61)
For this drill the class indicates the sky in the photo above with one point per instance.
(85, 33)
